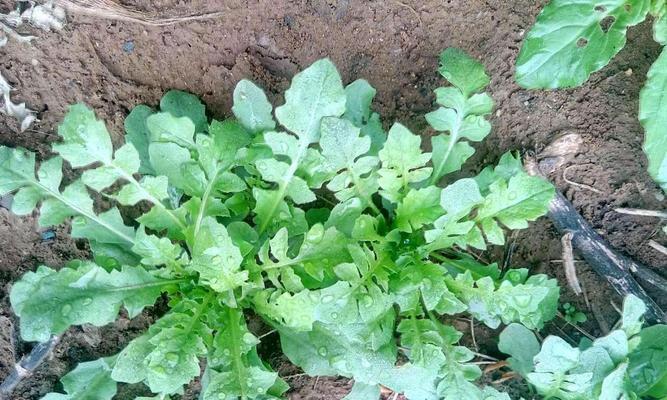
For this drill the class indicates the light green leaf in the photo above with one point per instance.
(49, 302)
(462, 114)
(342, 146)
(462, 71)
(155, 251)
(216, 258)
(647, 368)
(183, 104)
(660, 27)
(166, 357)
(165, 127)
(136, 133)
(402, 162)
(359, 96)
(235, 371)
(85, 138)
(419, 207)
(252, 108)
(316, 92)
(633, 311)
(531, 303)
(89, 380)
(362, 391)
(653, 117)
(524, 198)
(613, 386)
(571, 40)
(321, 251)
(520, 343)
(448, 156)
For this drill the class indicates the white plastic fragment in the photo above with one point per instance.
(25, 115)
(45, 16)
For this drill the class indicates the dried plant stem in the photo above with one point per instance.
(642, 213)
(110, 10)
(619, 270)
(658, 246)
(568, 264)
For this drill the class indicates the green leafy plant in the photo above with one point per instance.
(330, 230)
(572, 39)
(628, 363)
(573, 315)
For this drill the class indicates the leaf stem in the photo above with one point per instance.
(204, 202)
(453, 139)
(92, 216)
(149, 197)
(233, 316)
(282, 186)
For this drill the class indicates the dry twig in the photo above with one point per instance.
(568, 264)
(110, 10)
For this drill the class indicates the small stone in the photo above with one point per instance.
(628, 72)
(128, 46)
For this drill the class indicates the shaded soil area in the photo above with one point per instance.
(113, 66)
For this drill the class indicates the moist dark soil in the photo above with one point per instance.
(113, 66)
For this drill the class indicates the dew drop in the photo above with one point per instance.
(523, 300)
(216, 260)
(226, 352)
(367, 301)
(87, 301)
(222, 396)
(172, 359)
(315, 235)
(334, 315)
(325, 261)
(322, 351)
(66, 310)
(511, 195)
(327, 298)
(260, 390)
(215, 361)
(262, 165)
(249, 338)
(502, 305)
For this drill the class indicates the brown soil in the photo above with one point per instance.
(393, 44)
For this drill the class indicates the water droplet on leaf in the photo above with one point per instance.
(172, 359)
(523, 300)
(322, 351)
(87, 301)
(367, 301)
(66, 310)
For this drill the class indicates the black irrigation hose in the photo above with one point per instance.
(619, 270)
(27, 365)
